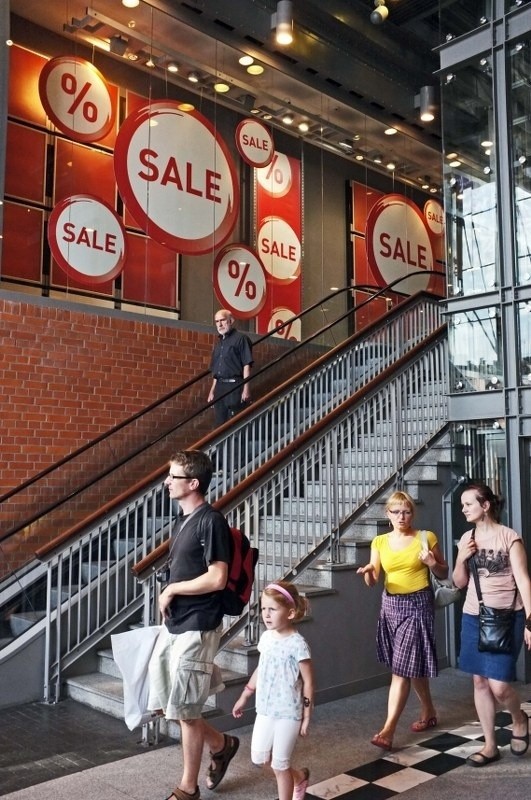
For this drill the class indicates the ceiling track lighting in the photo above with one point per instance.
(282, 22)
(288, 118)
(193, 77)
(380, 13)
(172, 66)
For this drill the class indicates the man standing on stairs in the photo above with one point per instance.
(182, 671)
(230, 364)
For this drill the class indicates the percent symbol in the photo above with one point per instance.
(238, 274)
(69, 86)
(285, 332)
(276, 172)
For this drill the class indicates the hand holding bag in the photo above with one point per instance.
(443, 589)
(495, 624)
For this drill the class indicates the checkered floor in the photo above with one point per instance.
(403, 769)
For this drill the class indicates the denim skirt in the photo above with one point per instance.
(498, 666)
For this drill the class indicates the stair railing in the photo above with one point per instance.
(302, 501)
(277, 510)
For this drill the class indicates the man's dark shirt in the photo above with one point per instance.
(196, 542)
(231, 354)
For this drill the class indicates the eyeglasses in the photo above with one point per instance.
(398, 511)
(180, 477)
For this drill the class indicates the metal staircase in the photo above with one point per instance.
(298, 472)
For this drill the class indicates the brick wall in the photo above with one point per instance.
(68, 376)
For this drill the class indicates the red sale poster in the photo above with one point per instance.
(279, 242)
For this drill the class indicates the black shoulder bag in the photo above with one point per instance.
(495, 624)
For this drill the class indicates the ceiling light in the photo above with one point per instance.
(221, 87)
(118, 45)
(304, 127)
(287, 119)
(380, 13)
(282, 22)
(390, 131)
(391, 166)
(377, 158)
(427, 103)
(246, 61)
(131, 3)
(150, 63)
(522, 159)
(359, 156)
(186, 107)
(346, 144)
(487, 143)
(425, 182)
(193, 77)
(487, 170)
(255, 69)
(171, 66)
(455, 163)
(434, 189)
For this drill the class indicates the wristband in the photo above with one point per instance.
(249, 688)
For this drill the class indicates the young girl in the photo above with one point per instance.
(283, 681)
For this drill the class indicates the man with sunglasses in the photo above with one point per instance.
(182, 670)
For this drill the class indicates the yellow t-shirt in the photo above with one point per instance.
(404, 571)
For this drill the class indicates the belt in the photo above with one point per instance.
(228, 380)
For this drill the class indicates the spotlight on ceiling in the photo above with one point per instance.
(171, 66)
(288, 118)
(380, 13)
(427, 103)
(131, 3)
(346, 144)
(282, 22)
(193, 77)
(118, 45)
(303, 126)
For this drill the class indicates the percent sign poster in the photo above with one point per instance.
(279, 243)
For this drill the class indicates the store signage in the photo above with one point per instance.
(75, 96)
(87, 239)
(279, 249)
(398, 243)
(176, 177)
(434, 216)
(239, 280)
(255, 143)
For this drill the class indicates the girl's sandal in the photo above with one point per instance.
(299, 790)
(220, 761)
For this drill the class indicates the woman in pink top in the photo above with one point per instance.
(501, 562)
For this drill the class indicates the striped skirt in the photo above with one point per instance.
(405, 638)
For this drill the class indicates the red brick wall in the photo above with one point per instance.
(68, 375)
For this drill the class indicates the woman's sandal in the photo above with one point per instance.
(481, 760)
(220, 761)
(524, 739)
(423, 724)
(179, 794)
(299, 790)
(382, 741)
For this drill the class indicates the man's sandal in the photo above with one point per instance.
(220, 761)
(180, 794)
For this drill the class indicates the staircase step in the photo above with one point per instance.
(102, 692)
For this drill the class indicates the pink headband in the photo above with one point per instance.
(283, 591)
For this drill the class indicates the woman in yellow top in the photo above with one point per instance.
(405, 639)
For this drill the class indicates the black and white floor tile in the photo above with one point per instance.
(402, 769)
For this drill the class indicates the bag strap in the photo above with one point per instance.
(473, 568)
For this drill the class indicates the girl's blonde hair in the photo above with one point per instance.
(298, 601)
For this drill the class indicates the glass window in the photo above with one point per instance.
(459, 18)
(480, 450)
(524, 331)
(470, 179)
(520, 69)
(476, 362)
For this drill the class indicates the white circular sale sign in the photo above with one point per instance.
(255, 143)
(239, 280)
(398, 243)
(276, 179)
(87, 239)
(176, 177)
(75, 96)
(279, 318)
(279, 249)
